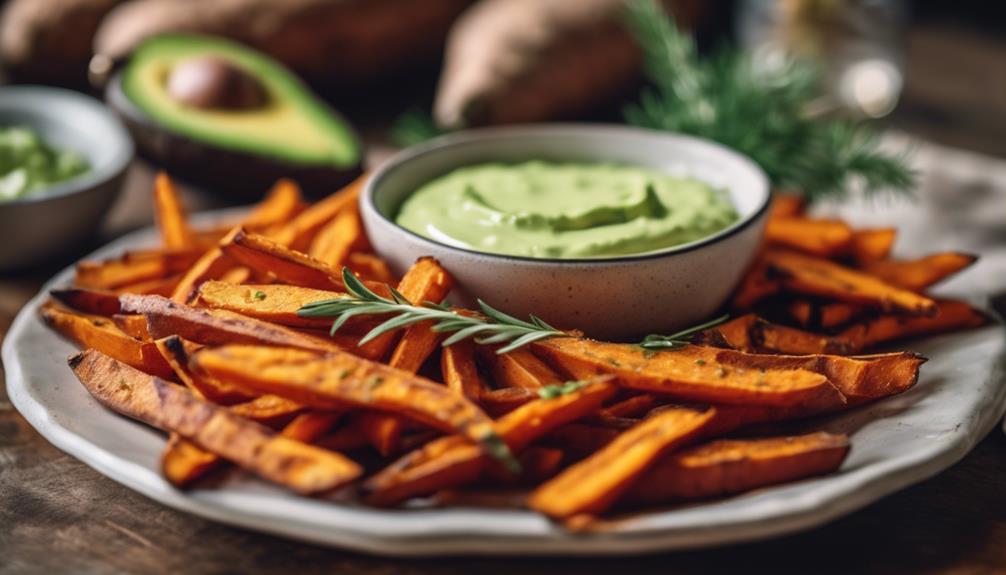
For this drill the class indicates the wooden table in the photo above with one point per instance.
(59, 516)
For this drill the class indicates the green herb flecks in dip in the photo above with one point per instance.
(28, 164)
(548, 210)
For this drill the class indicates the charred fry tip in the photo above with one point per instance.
(74, 360)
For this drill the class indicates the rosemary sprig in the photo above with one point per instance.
(762, 112)
(496, 327)
(679, 339)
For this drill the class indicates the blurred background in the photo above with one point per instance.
(398, 71)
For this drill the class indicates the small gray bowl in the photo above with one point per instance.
(56, 220)
(618, 297)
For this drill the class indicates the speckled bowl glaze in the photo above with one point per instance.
(621, 297)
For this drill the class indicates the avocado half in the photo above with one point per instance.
(237, 152)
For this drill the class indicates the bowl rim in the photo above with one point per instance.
(448, 141)
(118, 164)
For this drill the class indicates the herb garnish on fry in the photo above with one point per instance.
(498, 328)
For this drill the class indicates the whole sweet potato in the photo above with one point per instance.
(515, 61)
(327, 41)
(49, 41)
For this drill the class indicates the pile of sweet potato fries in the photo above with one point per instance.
(202, 338)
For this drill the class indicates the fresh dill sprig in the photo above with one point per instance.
(495, 328)
(759, 111)
(679, 339)
(414, 127)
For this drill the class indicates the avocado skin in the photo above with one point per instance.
(232, 174)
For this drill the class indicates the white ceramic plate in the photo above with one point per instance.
(896, 442)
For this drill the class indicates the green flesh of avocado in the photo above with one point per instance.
(292, 127)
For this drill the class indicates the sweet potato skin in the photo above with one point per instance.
(328, 42)
(301, 467)
(826, 238)
(289, 266)
(166, 318)
(100, 333)
(90, 301)
(594, 484)
(809, 275)
(726, 467)
(680, 375)
(49, 41)
(337, 380)
(134, 267)
(450, 461)
(917, 275)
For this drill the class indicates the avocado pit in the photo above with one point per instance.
(211, 82)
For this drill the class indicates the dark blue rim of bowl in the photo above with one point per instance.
(94, 178)
(531, 130)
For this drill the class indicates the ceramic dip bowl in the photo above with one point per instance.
(611, 297)
(51, 222)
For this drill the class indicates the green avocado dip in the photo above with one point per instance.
(549, 210)
(28, 164)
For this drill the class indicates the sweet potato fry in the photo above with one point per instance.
(680, 375)
(157, 286)
(301, 467)
(417, 344)
(289, 266)
(858, 379)
(767, 337)
(872, 244)
(370, 267)
(519, 368)
(501, 401)
(809, 275)
(336, 380)
(581, 438)
(166, 318)
(635, 406)
(283, 202)
(298, 232)
(274, 303)
(917, 275)
(825, 238)
(272, 410)
(211, 265)
(133, 267)
(726, 467)
(593, 485)
(460, 372)
(734, 334)
(426, 280)
(134, 325)
(824, 315)
(169, 215)
(787, 206)
(950, 316)
(183, 462)
(348, 437)
(338, 238)
(92, 331)
(87, 300)
(176, 352)
(756, 285)
(450, 461)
